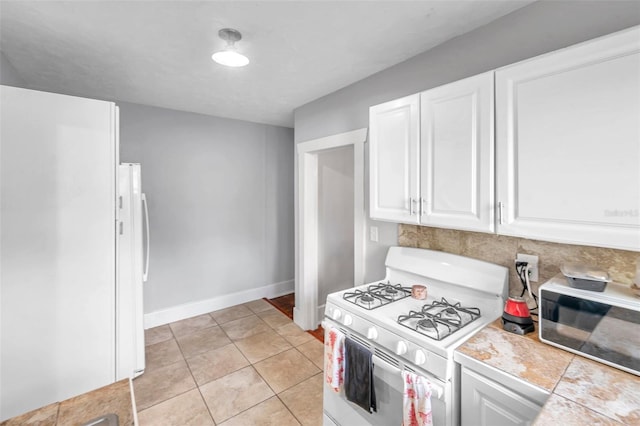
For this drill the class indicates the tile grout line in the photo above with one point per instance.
(288, 409)
(204, 401)
(233, 342)
(273, 329)
(184, 359)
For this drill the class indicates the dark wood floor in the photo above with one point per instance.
(285, 305)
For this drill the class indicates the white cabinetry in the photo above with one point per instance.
(431, 157)
(568, 144)
(394, 160)
(485, 402)
(456, 150)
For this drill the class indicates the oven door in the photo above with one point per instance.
(389, 387)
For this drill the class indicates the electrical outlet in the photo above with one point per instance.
(533, 265)
(373, 233)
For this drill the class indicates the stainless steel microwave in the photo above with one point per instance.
(602, 326)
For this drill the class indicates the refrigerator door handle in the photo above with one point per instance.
(145, 274)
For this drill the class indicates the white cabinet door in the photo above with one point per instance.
(457, 155)
(568, 144)
(57, 292)
(394, 160)
(486, 403)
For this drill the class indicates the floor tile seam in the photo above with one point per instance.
(234, 319)
(306, 357)
(288, 409)
(246, 409)
(270, 356)
(147, 370)
(184, 358)
(246, 304)
(146, 367)
(234, 340)
(181, 394)
(205, 403)
(196, 330)
(309, 359)
(225, 375)
(285, 404)
(198, 385)
(168, 399)
(146, 345)
(187, 358)
(264, 379)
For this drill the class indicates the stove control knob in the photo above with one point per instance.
(420, 358)
(401, 348)
(372, 333)
(336, 314)
(347, 320)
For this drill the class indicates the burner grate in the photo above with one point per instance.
(377, 295)
(439, 319)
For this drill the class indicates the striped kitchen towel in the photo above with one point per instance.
(416, 404)
(334, 358)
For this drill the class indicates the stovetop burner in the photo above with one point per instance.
(439, 319)
(366, 298)
(377, 295)
(427, 323)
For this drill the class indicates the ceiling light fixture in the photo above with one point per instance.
(230, 56)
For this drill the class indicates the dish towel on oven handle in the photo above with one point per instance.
(334, 358)
(358, 376)
(416, 404)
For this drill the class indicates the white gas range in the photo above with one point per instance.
(463, 296)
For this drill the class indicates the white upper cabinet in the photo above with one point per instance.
(394, 160)
(457, 155)
(431, 157)
(568, 144)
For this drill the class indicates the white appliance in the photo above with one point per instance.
(602, 326)
(61, 309)
(464, 295)
(133, 271)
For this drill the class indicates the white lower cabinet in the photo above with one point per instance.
(485, 402)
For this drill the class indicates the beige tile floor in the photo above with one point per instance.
(245, 365)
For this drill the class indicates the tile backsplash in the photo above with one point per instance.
(502, 250)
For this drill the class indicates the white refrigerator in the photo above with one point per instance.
(69, 320)
(133, 270)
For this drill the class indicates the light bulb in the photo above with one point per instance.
(230, 58)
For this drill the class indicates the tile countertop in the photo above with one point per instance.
(115, 398)
(573, 389)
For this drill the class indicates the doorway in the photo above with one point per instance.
(330, 221)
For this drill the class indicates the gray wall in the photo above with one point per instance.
(541, 27)
(8, 74)
(220, 198)
(220, 195)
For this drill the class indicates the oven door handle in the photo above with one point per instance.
(438, 391)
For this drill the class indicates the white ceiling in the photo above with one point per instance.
(159, 52)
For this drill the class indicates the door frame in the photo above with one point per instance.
(305, 312)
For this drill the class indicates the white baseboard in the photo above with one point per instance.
(188, 310)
